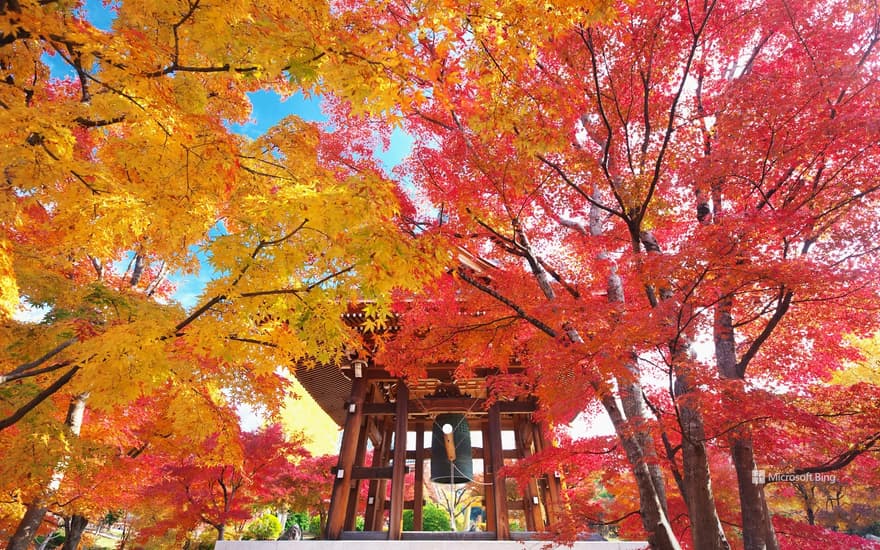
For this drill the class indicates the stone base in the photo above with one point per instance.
(421, 545)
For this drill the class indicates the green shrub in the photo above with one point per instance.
(267, 527)
(300, 518)
(315, 525)
(434, 518)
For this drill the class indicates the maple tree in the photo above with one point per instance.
(307, 490)
(687, 172)
(198, 489)
(124, 171)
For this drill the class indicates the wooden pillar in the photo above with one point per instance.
(351, 510)
(489, 478)
(523, 435)
(531, 447)
(553, 495)
(419, 489)
(499, 488)
(526, 492)
(398, 469)
(376, 509)
(342, 482)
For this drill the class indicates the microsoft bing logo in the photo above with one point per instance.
(760, 477)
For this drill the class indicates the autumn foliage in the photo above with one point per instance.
(665, 210)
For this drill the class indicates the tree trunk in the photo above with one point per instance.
(27, 527)
(634, 402)
(653, 509)
(706, 530)
(74, 527)
(123, 538)
(36, 511)
(221, 531)
(807, 497)
(322, 524)
(758, 533)
(636, 438)
(634, 407)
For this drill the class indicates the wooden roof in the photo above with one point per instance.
(330, 384)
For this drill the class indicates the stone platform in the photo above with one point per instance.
(421, 545)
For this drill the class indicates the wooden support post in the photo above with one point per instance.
(499, 487)
(351, 511)
(347, 453)
(489, 478)
(375, 512)
(419, 489)
(398, 476)
(531, 497)
(525, 492)
(553, 496)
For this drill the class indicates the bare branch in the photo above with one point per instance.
(558, 169)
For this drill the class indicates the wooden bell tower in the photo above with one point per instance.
(375, 408)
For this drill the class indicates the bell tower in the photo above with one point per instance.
(438, 415)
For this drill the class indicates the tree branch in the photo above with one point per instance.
(558, 169)
(785, 297)
(39, 398)
(594, 521)
(843, 459)
(506, 301)
(17, 376)
(220, 297)
(673, 109)
(37, 362)
(300, 290)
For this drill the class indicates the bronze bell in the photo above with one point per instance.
(452, 459)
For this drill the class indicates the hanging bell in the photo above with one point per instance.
(452, 459)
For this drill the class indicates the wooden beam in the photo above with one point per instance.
(524, 435)
(517, 505)
(436, 371)
(395, 516)
(451, 404)
(476, 452)
(374, 516)
(342, 482)
(407, 505)
(382, 472)
(351, 510)
(553, 492)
